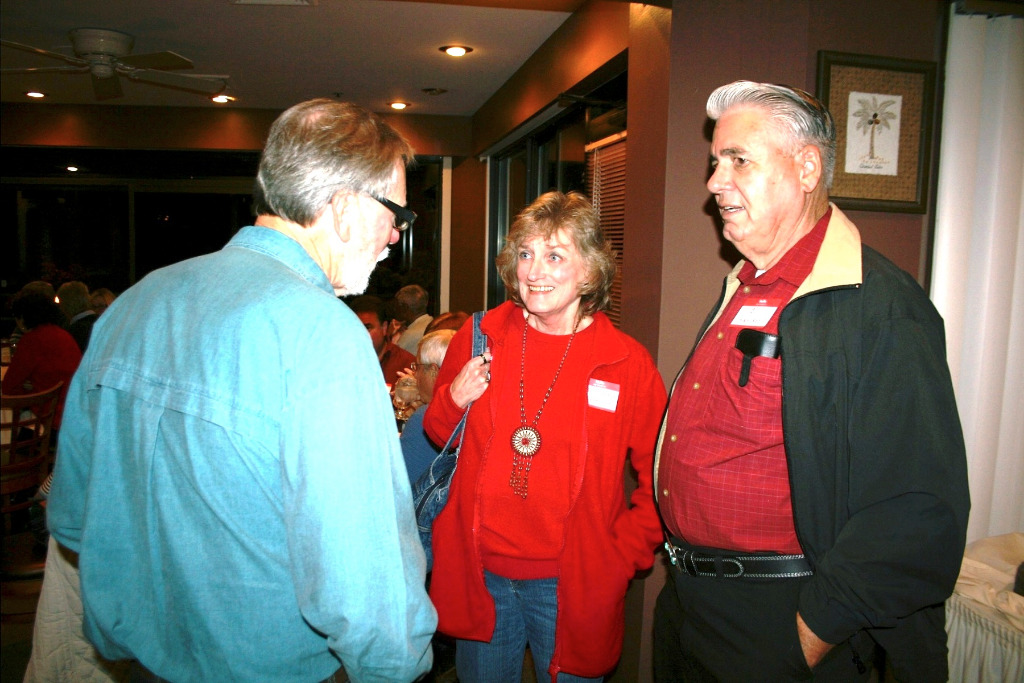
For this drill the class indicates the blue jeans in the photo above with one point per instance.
(525, 614)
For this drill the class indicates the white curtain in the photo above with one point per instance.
(978, 273)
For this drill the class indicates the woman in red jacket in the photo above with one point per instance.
(538, 543)
(46, 353)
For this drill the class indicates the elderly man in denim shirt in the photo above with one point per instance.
(229, 469)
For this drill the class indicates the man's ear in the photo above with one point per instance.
(343, 207)
(811, 168)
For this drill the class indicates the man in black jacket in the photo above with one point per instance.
(811, 469)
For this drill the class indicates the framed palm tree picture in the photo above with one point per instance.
(883, 110)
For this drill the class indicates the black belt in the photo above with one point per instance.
(733, 565)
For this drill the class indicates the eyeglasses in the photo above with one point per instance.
(414, 366)
(404, 218)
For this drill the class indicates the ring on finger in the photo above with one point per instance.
(488, 376)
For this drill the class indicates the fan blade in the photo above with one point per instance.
(157, 60)
(46, 69)
(207, 84)
(107, 88)
(45, 53)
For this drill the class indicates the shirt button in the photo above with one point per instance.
(664, 493)
(721, 335)
(696, 385)
(746, 289)
(673, 438)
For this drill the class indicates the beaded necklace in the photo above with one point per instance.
(526, 439)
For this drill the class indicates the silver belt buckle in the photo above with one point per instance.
(686, 560)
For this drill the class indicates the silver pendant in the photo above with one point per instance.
(526, 441)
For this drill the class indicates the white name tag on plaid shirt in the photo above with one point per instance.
(754, 316)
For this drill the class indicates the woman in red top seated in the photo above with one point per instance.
(46, 353)
(538, 543)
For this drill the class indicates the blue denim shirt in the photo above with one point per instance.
(230, 473)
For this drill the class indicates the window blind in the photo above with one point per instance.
(606, 185)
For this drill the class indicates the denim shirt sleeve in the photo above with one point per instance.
(65, 510)
(354, 551)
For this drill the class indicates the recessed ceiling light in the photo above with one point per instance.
(222, 99)
(73, 169)
(399, 105)
(35, 93)
(456, 50)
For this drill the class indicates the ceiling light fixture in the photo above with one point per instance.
(455, 50)
(223, 99)
(398, 105)
(35, 93)
(73, 169)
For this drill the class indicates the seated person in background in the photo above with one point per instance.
(417, 449)
(46, 353)
(38, 286)
(373, 314)
(100, 299)
(452, 320)
(397, 314)
(404, 407)
(73, 298)
(414, 299)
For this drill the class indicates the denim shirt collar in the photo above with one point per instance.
(282, 248)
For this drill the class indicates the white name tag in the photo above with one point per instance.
(602, 395)
(754, 316)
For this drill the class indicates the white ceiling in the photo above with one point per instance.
(365, 51)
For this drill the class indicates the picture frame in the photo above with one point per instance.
(883, 110)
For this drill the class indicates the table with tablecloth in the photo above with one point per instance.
(984, 617)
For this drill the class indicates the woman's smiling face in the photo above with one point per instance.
(550, 271)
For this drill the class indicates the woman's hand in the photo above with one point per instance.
(472, 380)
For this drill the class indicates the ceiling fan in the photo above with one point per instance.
(106, 54)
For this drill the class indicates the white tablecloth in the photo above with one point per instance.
(984, 617)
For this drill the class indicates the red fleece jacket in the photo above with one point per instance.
(607, 539)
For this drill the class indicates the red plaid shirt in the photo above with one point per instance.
(723, 475)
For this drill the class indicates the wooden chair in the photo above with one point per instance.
(26, 423)
(6, 351)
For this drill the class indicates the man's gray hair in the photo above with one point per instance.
(414, 298)
(74, 298)
(433, 347)
(796, 112)
(319, 147)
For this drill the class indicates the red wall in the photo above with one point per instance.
(468, 243)
(113, 127)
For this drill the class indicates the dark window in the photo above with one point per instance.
(128, 212)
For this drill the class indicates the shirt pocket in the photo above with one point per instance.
(742, 415)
